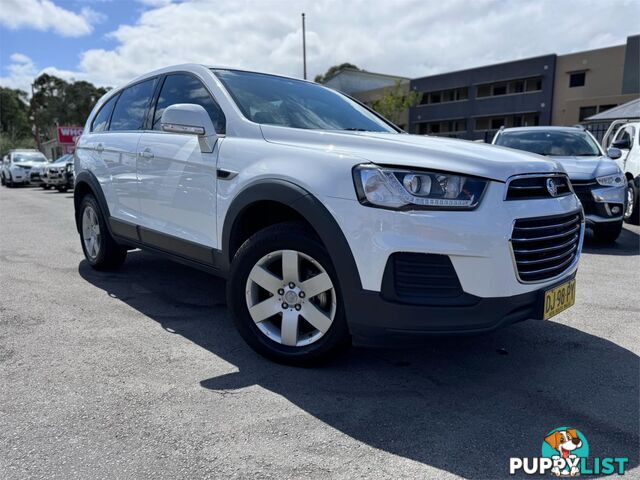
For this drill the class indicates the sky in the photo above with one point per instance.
(109, 42)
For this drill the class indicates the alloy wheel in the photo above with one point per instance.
(91, 232)
(630, 201)
(291, 298)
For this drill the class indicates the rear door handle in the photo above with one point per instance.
(99, 147)
(146, 153)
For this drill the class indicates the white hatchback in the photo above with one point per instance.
(330, 224)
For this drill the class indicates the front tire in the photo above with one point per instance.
(284, 296)
(2, 180)
(632, 207)
(100, 249)
(607, 232)
(62, 189)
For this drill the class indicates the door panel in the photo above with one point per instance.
(118, 153)
(177, 187)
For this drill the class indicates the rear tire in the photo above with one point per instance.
(100, 249)
(607, 232)
(632, 207)
(2, 180)
(273, 267)
(62, 189)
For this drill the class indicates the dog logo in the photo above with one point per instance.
(565, 453)
(552, 188)
(565, 446)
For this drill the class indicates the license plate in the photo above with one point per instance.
(559, 298)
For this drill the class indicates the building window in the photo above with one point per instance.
(446, 128)
(577, 79)
(587, 112)
(604, 108)
(508, 88)
(519, 120)
(444, 96)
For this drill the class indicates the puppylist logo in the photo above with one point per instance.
(565, 453)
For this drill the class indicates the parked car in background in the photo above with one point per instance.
(330, 223)
(627, 140)
(59, 174)
(596, 179)
(17, 166)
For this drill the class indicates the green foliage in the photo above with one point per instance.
(394, 101)
(14, 113)
(332, 71)
(54, 102)
(57, 102)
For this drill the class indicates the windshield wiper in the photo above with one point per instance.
(356, 130)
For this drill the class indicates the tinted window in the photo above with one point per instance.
(293, 103)
(187, 89)
(101, 121)
(131, 106)
(555, 143)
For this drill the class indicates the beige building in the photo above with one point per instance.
(590, 82)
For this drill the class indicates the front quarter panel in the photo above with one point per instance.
(319, 173)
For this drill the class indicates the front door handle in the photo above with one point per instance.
(146, 153)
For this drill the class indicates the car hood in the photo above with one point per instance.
(587, 168)
(417, 151)
(30, 164)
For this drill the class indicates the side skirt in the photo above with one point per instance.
(182, 251)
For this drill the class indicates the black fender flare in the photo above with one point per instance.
(311, 209)
(88, 179)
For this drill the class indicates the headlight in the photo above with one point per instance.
(413, 190)
(615, 180)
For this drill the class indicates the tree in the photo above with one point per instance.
(15, 127)
(395, 100)
(58, 102)
(332, 71)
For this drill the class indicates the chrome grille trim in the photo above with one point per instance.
(540, 249)
(536, 186)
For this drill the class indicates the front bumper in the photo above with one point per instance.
(379, 322)
(477, 243)
(601, 204)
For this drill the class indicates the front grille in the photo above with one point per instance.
(535, 186)
(582, 189)
(420, 278)
(545, 247)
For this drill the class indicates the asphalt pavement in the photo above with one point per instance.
(140, 374)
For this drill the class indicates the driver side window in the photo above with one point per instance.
(182, 88)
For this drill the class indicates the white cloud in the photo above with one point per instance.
(21, 72)
(45, 15)
(406, 37)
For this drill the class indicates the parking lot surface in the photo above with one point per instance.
(140, 373)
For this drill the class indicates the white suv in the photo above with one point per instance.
(627, 140)
(330, 224)
(18, 166)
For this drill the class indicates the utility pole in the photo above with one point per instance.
(304, 49)
(35, 121)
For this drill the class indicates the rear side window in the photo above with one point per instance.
(129, 112)
(181, 88)
(101, 121)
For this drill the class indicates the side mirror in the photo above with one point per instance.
(614, 153)
(624, 144)
(191, 119)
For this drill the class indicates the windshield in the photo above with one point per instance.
(29, 157)
(552, 143)
(293, 103)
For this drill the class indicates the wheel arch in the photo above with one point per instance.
(291, 202)
(85, 183)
